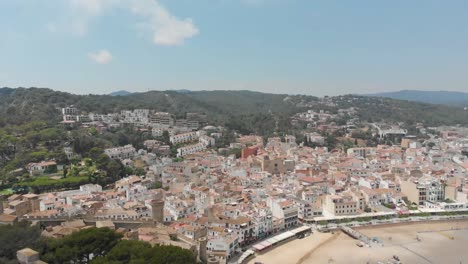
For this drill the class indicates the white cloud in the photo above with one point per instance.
(101, 57)
(91, 6)
(166, 29)
(51, 27)
(83, 11)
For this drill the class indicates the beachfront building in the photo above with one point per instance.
(308, 210)
(284, 210)
(263, 223)
(223, 245)
(310, 205)
(423, 190)
(338, 205)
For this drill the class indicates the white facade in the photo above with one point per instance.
(284, 210)
(187, 150)
(69, 111)
(183, 138)
(207, 141)
(135, 116)
(341, 205)
(125, 152)
(226, 245)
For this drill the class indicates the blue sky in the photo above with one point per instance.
(281, 46)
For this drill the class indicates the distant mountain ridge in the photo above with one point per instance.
(6, 91)
(120, 93)
(432, 97)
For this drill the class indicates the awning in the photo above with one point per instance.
(245, 255)
(261, 246)
(301, 229)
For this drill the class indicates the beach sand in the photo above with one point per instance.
(439, 244)
(293, 251)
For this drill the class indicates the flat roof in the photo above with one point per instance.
(261, 246)
(325, 218)
(245, 255)
(300, 229)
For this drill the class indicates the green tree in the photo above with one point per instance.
(131, 251)
(102, 161)
(93, 131)
(157, 185)
(51, 169)
(127, 251)
(236, 152)
(80, 246)
(65, 171)
(171, 255)
(139, 171)
(166, 137)
(95, 152)
(16, 237)
(128, 170)
(115, 169)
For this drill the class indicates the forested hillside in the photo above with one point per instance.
(433, 97)
(376, 109)
(22, 105)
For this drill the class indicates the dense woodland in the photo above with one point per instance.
(104, 244)
(22, 105)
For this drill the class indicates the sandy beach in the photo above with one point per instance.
(293, 251)
(439, 243)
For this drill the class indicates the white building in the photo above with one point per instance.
(225, 245)
(285, 210)
(341, 205)
(162, 118)
(140, 116)
(157, 132)
(190, 149)
(310, 205)
(71, 110)
(183, 138)
(361, 152)
(125, 152)
(207, 141)
(41, 167)
(315, 138)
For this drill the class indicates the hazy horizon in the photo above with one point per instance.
(205, 90)
(274, 46)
